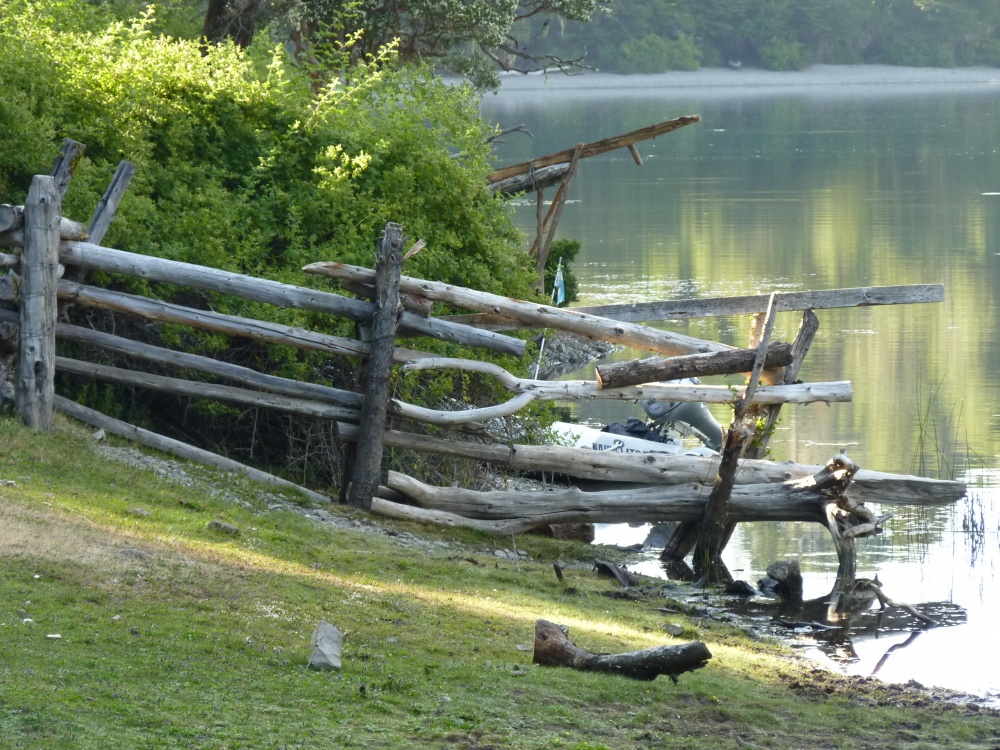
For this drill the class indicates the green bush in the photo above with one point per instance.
(783, 54)
(656, 54)
(241, 165)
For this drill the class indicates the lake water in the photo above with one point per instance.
(828, 179)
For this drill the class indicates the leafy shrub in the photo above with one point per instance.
(656, 54)
(242, 166)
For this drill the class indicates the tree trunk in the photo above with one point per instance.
(230, 19)
(553, 648)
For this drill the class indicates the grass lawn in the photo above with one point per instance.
(173, 634)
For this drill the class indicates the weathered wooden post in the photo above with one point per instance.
(715, 527)
(366, 471)
(34, 388)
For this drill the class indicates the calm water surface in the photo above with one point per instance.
(799, 188)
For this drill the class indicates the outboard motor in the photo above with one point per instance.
(686, 417)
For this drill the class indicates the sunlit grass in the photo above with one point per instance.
(172, 634)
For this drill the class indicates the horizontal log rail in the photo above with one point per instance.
(213, 391)
(585, 390)
(533, 314)
(96, 258)
(686, 309)
(183, 360)
(233, 325)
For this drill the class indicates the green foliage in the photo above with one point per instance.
(565, 250)
(655, 54)
(242, 166)
(785, 34)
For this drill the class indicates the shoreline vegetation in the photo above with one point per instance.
(152, 603)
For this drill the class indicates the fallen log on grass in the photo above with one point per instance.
(553, 648)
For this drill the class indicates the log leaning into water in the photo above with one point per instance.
(553, 648)
(597, 147)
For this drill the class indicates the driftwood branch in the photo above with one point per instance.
(636, 471)
(584, 390)
(554, 649)
(597, 147)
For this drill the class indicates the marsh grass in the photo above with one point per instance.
(173, 635)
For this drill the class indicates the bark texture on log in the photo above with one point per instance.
(553, 648)
(656, 369)
(533, 314)
(35, 371)
(366, 472)
(94, 257)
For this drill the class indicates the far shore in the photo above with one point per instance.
(817, 79)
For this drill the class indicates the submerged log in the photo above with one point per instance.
(553, 648)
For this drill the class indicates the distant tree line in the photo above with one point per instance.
(651, 36)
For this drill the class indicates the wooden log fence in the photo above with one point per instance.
(710, 494)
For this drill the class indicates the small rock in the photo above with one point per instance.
(53, 636)
(673, 629)
(522, 647)
(99, 435)
(139, 512)
(787, 577)
(27, 621)
(7, 483)
(327, 641)
(740, 588)
(223, 527)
